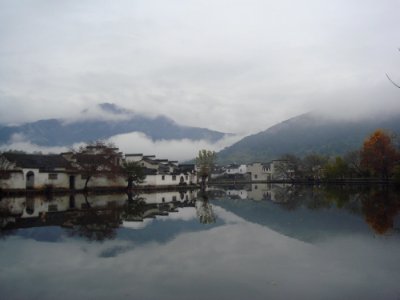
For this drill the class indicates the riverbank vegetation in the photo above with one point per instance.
(377, 159)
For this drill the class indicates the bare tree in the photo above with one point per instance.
(96, 160)
(390, 79)
(133, 172)
(5, 167)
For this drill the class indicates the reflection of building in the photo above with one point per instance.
(75, 210)
(264, 191)
(237, 194)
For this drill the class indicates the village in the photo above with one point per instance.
(101, 167)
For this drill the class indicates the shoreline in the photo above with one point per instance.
(152, 189)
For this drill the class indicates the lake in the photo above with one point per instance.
(255, 241)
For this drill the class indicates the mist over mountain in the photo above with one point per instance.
(102, 122)
(305, 134)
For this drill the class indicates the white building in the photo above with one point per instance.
(236, 169)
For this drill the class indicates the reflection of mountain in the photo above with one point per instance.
(302, 224)
(310, 213)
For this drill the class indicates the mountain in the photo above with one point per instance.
(305, 134)
(115, 120)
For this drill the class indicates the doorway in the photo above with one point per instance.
(30, 180)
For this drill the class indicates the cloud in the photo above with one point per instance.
(250, 65)
(21, 143)
(181, 150)
(134, 142)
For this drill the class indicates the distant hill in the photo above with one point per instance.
(58, 132)
(306, 134)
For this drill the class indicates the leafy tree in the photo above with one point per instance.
(133, 172)
(379, 154)
(337, 169)
(205, 162)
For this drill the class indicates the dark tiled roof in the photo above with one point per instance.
(147, 171)
(187, 167)
(91, 158)
(37, 161)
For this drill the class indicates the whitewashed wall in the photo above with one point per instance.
(168, 180)
(257, 172)
(16, 181)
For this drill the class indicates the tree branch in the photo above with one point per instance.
(394, 83)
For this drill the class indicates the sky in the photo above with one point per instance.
(230, 65)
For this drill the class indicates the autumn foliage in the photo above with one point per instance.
(379, 154)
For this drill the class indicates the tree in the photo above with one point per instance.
(313, 165)
(205, 162)
(133, 172)
(379, 154)
(5, 167)
(390, 79)
(288, 166)
(353, 161)
(97, 159)
(336, 169)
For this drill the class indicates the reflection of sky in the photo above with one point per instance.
(232, 259)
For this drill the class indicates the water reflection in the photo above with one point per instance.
(379, 205)
(278, 242)
(94, 217)
(204, 209)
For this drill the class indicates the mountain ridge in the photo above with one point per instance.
(305, 134)
(114, 120)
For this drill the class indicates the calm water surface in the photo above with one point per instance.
(253, 242)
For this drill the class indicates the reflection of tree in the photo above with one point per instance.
(94, 224)
(5, 219)
(294, 197)
(380, 207)
(204, 209)
(133, 209)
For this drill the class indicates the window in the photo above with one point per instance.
(5, 175)
(52, 207)
(173, 198)
(255, 176)
(186, 177)
(84, 177)
(53, 176)
(173, 177)
(163, 177)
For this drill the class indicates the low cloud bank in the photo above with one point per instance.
(181, 150)
(134, 142)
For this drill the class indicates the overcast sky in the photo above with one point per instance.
(229, 65)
